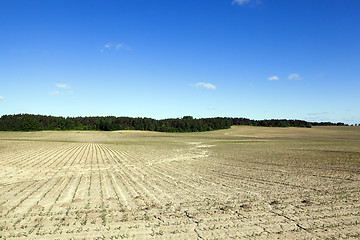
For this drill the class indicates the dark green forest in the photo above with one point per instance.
(30, 122)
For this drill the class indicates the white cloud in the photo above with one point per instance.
(54, 93)
(205, 85)
(116, 46)
(62, 89)
(294, 76)
(61, 85)
(240, 2)
(2, 98)
(317, 113)
(251, 3)
(273, 78)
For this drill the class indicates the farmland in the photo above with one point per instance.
(239, 183)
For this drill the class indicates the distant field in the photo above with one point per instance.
(239, 183)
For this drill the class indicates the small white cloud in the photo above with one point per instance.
(240, 2)
(2, 98)
(61, 85)
(54, 93)
(273, 78)
(317, 113)
(251, 3)
(205, 85)
(116, 46)
(294, 76)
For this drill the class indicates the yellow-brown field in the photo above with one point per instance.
(241, 183)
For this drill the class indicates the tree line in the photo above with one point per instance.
(30, 122)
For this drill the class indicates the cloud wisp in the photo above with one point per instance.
(208, 86)
(273, 78)
(2, 98)
(240, 2)
(54, 93)
(317, 113)
(116, 46)
(294, 76)
(251, 3)
(62, 86)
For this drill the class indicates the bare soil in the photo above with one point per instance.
(240, 183)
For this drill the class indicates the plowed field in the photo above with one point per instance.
(241, 183)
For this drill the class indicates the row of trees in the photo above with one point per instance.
(328, 124)
(29, 122)
(271, 122)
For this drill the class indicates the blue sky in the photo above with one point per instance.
(258, 59)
